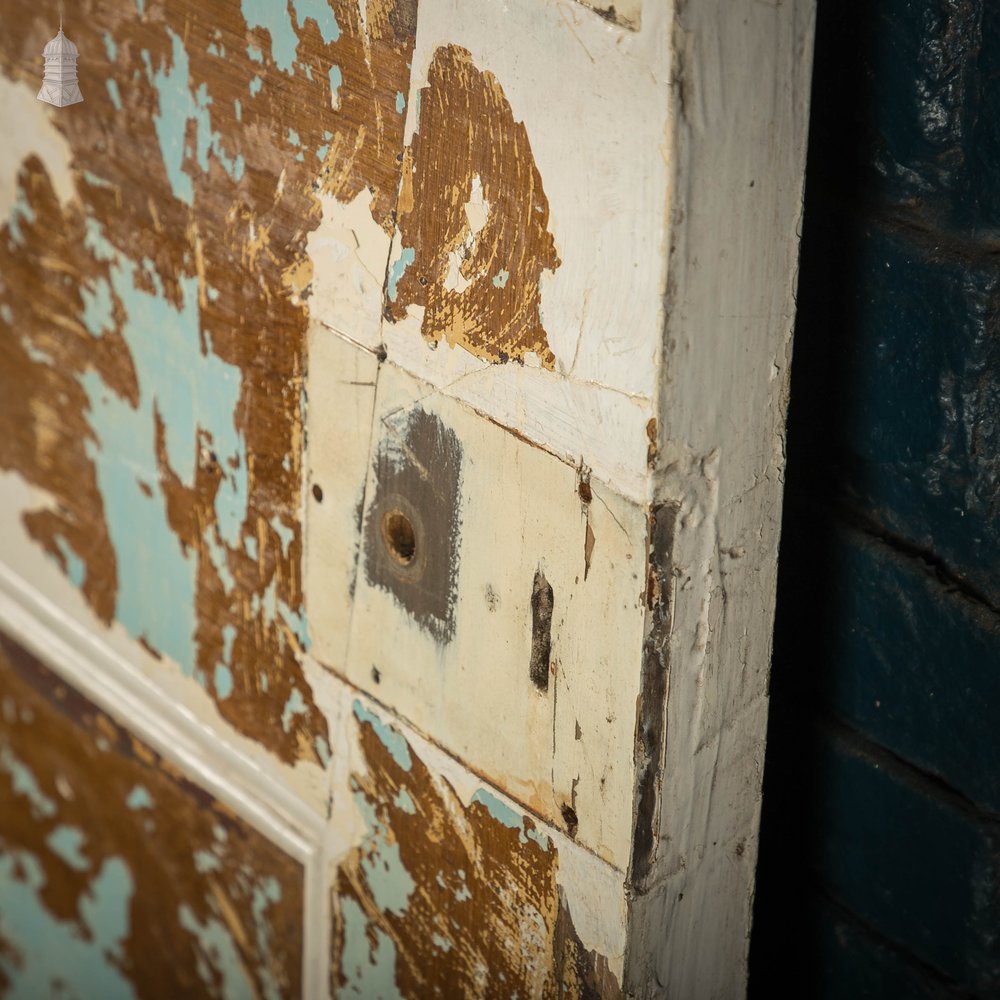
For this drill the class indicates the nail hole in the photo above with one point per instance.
(376, 675)
(317, 493)
(570, 819)
(397, 533)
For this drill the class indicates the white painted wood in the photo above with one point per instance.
(594, 100)
(740, 110)
(348, 252)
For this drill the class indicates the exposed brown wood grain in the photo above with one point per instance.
(483, 915)
(259, 141)
(466, 130)
(195, 874)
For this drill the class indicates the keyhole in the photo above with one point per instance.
(399, 538)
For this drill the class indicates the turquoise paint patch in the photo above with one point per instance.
(5, 314)
(405, 802)
(322, 151)
(21, 211)
(192, 391)
(268, 891)
(75, 569)
(36, 353)
(98, 309)
(406, 258)
(223, 681)
(322, 750)
(212, 293)
(275, 19)
(66, 841)
(501, 812)
(96, 181)
(400, 101)
(255, 54)
(293, 137)
(42, 807)
(212, 49)
(368, 959)
(96, 242)
(321, 12)
(255, 84)
(205, 862)
(538, 837)
(228, 638)
(336, 79)
(34, 936)
(390, 883)
(140, 6)
(294, 706)
(220, 560)
(238, 109)
(218, 957)
(177, 106)
(264, 682)
(109, 46)
(297, 622)
(139, 798)
(391, 740)
(500, 279)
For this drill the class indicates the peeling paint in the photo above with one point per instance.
(481, 889)
(148, 409)
(468, 153)
(137, 880)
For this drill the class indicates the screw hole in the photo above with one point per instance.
(399, 538)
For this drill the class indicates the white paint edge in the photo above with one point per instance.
(119, 688)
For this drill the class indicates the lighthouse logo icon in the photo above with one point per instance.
(60, 86)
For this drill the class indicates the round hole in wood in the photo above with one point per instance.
(399, 537)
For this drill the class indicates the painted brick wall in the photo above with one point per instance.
(879, 856)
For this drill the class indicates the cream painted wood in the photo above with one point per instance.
(339, 410)
(520, 512)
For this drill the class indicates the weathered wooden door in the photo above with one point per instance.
(391, 436)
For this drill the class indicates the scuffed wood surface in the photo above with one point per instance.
(118, 876)
(401, 279)
(472, 909)
(154, 338)
(489, 512)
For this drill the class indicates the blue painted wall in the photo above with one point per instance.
(880, 839)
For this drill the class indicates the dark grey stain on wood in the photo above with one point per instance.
(650, 729)
(541, 631)
(411, 531)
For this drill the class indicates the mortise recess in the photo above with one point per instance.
(541, 631)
